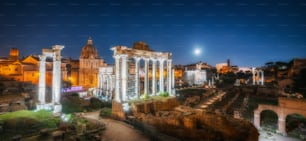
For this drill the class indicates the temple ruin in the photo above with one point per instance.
(55, 105)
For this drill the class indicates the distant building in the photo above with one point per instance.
(221, 67)
(226, 67)
(196, 74)
(26, 69)
(89, 65)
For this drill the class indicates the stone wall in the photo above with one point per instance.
(195, 125)
(152, 106)
(292, 103)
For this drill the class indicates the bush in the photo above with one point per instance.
(145, 96)
(106, 112)
(164, 94)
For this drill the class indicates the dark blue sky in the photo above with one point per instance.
(250, 33)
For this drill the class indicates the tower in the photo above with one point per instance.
(14, 54)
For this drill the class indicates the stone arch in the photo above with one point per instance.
(257, 113)
(298, 117)
(267, 111)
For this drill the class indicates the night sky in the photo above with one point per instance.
(249, 33)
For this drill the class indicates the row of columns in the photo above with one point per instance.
(105, 83)
(121, 73)
(260, 76)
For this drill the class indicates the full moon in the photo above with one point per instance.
(197, 51)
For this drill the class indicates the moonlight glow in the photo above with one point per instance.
(197, 51)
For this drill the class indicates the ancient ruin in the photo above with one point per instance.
(55, 54)
(258, 76)
(128, 78)
(106, 79)
(286, 106)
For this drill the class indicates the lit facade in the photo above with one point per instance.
(89, 64)
(196, 74)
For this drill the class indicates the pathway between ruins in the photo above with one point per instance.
(212, 100)
(117, 130)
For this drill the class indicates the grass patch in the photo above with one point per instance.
(26, 122)
(39, 115)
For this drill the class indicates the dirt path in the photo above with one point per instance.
(117, 130)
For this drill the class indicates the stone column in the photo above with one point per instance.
(137, 76)
(42, 80)
(262, 78)
(254, 79)
(173, 78)
(100, 82)
(146, 77)
(169, 66)
(161, 75)
(257, 119)
(106, 84)
(56, 78)
(153, 76)
(124, 74)
(282, 125)
(117, 74)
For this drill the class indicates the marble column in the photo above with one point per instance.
(146, 76)
(262, 78)
(282, 126)
(173, 78)
(254, 79)
(153, 76)
(161, 75)
(117, 74)
(42, 79)
(56, 78)
(100, 83)
(124, 74)
(137, 76)
(169, 66)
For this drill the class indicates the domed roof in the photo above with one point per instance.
(89, 51)
(141, 46)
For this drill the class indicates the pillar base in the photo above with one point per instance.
(44, 107)
(57, 108)
(117, 110)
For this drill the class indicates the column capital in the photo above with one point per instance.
(153, 59)
(146, 59)
(137, 58)
(57, 47)
(42, 57)
(117, 56)
(161, 60)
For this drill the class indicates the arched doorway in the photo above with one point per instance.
(268, 119)
(296, 126)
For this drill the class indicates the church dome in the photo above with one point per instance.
(89, 51)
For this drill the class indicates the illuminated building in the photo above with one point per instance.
(196, 74)
(89, 65)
